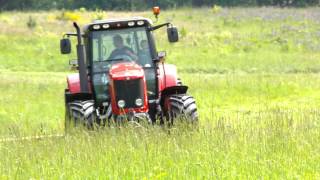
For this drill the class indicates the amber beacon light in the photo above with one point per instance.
(156, 11)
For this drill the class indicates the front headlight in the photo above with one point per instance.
(121, 103)
(139, 102)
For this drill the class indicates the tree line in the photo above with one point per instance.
(143, 4)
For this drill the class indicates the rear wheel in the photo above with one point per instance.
(181, 107)
(80, 113)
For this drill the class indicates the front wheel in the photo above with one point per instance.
(181, 107)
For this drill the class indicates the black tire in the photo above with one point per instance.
(182, 106)
(80, 113)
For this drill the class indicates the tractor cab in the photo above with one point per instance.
(120, 70)
(120, 41)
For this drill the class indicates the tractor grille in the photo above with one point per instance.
(129, 91)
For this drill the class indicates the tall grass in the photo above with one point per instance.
(251, 126)
(274, 144)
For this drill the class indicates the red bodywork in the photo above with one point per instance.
(127, 71)
(167, 76)
(74, 83)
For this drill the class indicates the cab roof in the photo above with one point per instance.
(118, 20)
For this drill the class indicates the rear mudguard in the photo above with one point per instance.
(168, 82)
(73, 82)
(73, 93)
(69, 97)
(170, 91)
(167, 76)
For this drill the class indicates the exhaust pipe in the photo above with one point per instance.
(81, 62)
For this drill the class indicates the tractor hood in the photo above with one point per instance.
(126, 71)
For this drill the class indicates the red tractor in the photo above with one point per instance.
(122, 76)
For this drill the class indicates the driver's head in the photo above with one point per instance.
(117, 41)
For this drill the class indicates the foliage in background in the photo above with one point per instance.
(32, 23)
(254, 73)
(141, 4)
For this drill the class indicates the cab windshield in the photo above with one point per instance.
(130, 44)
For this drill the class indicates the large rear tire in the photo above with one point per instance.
(80, 113)
(182, 107)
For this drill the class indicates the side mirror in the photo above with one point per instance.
(65, 46)
(173, 35)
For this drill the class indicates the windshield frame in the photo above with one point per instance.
(149, 36)
(153, 53)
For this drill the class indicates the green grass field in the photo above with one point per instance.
(254, 72)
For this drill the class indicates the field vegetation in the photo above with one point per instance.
(254, 73)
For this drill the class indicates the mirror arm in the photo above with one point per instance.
(156, 59)
(71, 34)
(159, 26)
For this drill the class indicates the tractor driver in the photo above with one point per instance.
(121, 49)
(144, 54)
